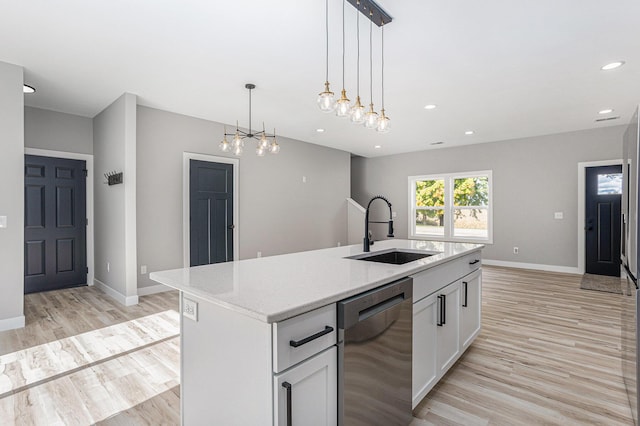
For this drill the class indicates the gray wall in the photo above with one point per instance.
(532, 179)
(57, 131)
(278, 212)
(11, 196)
(114, 146)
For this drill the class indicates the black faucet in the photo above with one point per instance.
(368, 242)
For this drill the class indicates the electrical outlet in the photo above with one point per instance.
(516, 250)
(259, 254)
(394, 214)
(339, 243)
(304, 179)
(190, 309)
(558, 215)
(108, 266)
(143, 269)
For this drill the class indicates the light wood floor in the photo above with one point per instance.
(549, 353)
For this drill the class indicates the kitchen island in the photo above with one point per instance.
(240, 320)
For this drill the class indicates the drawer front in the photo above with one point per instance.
(301, 337)
(431, 280)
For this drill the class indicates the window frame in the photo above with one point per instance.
(449, 208)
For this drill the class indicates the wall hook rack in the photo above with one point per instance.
(113, 178)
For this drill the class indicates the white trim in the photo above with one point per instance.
(153, 289)
(186, 156)
(114, 294)
(581, 205)
(534, 266)
(355, 204)
(130, 197)
(89, 160)
(12, 323)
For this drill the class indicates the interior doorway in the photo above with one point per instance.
(55, 227)
(210, 209)
(603, 198)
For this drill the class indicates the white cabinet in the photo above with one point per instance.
(470, 308)
(425, 371)
(307, 393)
(448, 330)
(442, 326)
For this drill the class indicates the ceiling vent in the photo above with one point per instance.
(607, 118)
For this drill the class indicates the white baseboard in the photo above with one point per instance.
(119, 297)
(12, 323)
(153, 289)
(534, 266)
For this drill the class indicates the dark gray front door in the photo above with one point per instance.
(55, 233)
(602, 220)
(211, 208)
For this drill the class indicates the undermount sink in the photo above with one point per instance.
(394, 257)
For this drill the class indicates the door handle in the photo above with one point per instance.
(287, 386)
(588, 228)
(231, 226)
(439, 322)
(466, 286)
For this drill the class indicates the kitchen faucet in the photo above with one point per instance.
(367, 241)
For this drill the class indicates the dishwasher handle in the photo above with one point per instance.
(358, 308)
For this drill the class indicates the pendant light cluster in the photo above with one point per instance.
(266, 142)
(342, 107)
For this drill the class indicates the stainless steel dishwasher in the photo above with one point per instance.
(374, 356)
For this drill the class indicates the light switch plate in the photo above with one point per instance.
(3, 221)
(558, 215)
(190, 309)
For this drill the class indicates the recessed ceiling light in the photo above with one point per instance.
(468, 132)
(27, 89)
(430, 106)
(613, 65)
(320, 130)
(437, 143)
(605, 111)
(378, 146)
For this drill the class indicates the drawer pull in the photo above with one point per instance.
(466, 294)
(474, 262)
(287, 386)
(296, 343)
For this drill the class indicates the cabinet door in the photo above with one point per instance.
(448, 328)
(307, 394)
(425, 371)
(470, 306)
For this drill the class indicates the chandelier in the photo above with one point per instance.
(266, 142)
(342, 107)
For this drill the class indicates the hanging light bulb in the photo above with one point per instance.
(260, 151)
(356, 113)
(383, 121)
(371, 117)
(237, 150)
(274, 148)
(343, 104)
(264, 142)
(326, 100)
(225, 146)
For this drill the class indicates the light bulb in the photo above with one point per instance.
(274, 148)
(356, 114)
(237, 150)
(343, 105)
(371, 118)
(383, 123)
(326, 100)
(225, 146)
(264, 142)
(237, 141)
(260, 151)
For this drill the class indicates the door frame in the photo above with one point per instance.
(88, 158)
(186, 238)
(582, 173)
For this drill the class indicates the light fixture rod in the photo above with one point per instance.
(250, 86)
(372, 11)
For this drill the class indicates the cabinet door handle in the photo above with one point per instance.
(296, 343)
(439, 322)
(444, 309)
(466, 295)
(287, 386)
(474, 262)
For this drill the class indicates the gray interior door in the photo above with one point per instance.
(55, 233)
(211, 212)
(602, 220)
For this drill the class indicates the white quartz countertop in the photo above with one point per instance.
(275, 288)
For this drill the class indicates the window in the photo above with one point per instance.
(451, 207)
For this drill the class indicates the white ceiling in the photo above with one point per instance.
(505, 69)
